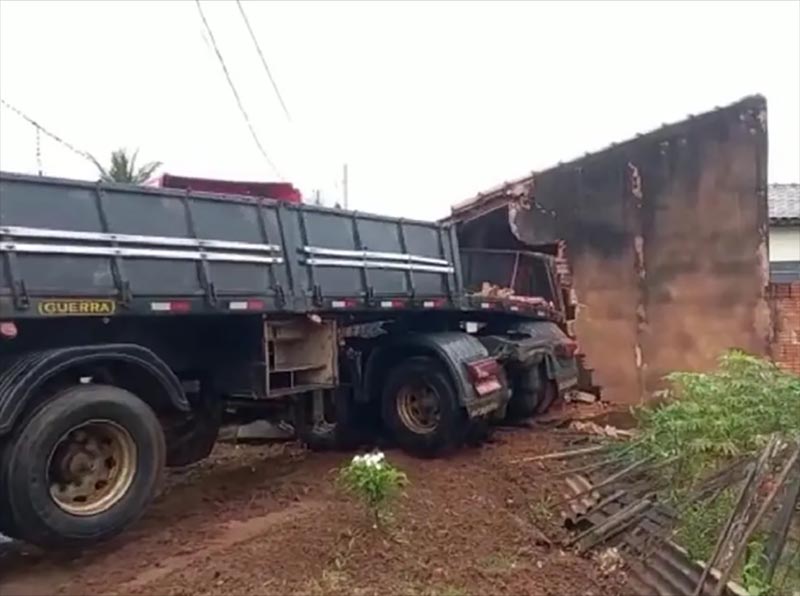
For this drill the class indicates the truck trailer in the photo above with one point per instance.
(134, 319)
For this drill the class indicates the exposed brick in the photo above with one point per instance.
(784, 290)
(785, 303)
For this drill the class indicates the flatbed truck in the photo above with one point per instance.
(134, 319)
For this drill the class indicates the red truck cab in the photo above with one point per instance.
(280, 191)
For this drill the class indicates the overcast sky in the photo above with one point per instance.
(429, 103)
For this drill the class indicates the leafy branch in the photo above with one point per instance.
(123, 168)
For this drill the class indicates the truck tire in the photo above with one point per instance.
(420, 407)
(81, 467)
(331, 429)
(6, 523)
(549, 393)
(479, 431)
(192, 439)
(525, 394)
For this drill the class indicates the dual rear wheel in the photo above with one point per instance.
(420, 409)
(418, 405)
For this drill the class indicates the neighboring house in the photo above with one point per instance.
(784, 232)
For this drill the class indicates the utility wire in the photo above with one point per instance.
(52, 135)
(263, 60)
(233, 89)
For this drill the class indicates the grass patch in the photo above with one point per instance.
(329, 582)
(499, 563)
(540, 511)
(445, 591)
(701, 524)
(754, 571)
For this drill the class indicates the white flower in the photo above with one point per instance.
(373, 460)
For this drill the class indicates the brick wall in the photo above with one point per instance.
(785, 302)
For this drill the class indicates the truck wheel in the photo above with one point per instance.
(420, 407)
(549, 393)
(325, 420)
(479, 431)
(524, 395)
(193, 438)
(81, 467)
(6, 523)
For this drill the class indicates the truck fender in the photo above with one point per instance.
(453, 349)
(549, 365)
(543, 337)
(22, 375)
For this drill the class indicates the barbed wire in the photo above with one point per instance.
(38, 149)
(52, 135)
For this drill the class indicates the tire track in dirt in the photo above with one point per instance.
(43, 583)
(198, 507)
(227, 535)
(231, 533)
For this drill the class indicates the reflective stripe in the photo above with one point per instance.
(377, 265)
(152, 253)
(367, 254)
(23, 232)
(246, 305)
(171, 306)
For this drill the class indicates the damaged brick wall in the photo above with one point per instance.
(785, 302)
(667, 241)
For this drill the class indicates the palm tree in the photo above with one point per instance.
(123, 168)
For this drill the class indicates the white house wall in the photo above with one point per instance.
(784, 244)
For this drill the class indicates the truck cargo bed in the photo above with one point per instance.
(74, 248)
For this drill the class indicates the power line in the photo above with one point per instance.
(263, 60)
(52, 135)
(233, 89)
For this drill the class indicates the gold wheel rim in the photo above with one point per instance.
(91, 467)
(418, 408)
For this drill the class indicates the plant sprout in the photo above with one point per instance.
(373, 480)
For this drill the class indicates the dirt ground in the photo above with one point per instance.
(269, 520)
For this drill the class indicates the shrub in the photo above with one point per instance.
(713, 420)
(721, 414)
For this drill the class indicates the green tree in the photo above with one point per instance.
(123, 168)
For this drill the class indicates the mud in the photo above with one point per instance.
(269, 520)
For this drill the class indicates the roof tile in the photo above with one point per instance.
(784, 201)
